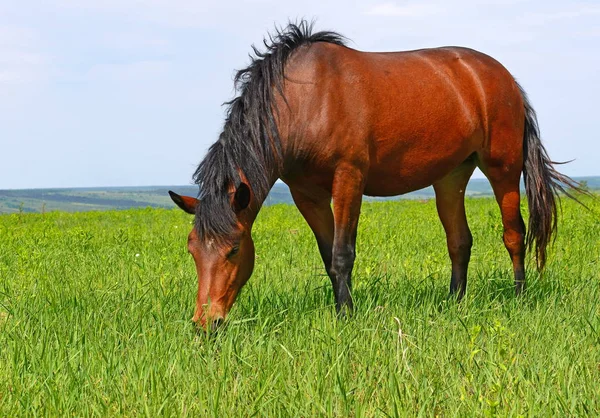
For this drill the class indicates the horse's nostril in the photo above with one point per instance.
(215, 324)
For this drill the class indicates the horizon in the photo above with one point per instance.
(112, 93)
(80, 199)
(193, 185)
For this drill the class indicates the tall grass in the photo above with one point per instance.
(95, 315)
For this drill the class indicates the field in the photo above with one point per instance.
(95, 315)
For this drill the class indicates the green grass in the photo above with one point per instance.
(95, 315)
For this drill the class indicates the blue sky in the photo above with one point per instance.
(129, 92)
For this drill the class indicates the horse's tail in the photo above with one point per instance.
(542, 186)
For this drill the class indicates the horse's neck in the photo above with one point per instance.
(256, 203)
(271, 184)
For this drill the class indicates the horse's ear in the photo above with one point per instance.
(188, 204)
(241, 199)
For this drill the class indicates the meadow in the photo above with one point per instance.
(95, 313)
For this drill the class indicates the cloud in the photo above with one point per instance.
(16, 36)
(408, 10)
(20, 58)
(591, 33)
(20, 67)
(140, 71)
(169, 13)
(542, 18)
(132, 40)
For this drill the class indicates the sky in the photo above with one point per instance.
(130, 92)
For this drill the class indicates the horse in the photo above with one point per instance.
(334, 124)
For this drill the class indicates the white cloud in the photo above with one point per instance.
(133, 72)
(20, 67)
(171, 13)
(542, 18)
(134, 41)
(407, 10)
(20, 58)
(16, 36)
(591, 33)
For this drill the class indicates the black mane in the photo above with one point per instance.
(250, 140)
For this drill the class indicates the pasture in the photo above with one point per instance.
(95, 315)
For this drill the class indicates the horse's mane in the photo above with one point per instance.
(250, 140)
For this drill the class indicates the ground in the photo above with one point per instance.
(95, 313)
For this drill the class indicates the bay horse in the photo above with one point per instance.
(335, 123)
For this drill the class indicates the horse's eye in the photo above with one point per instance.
(233, 251)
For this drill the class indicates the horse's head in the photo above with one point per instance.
(223, 265)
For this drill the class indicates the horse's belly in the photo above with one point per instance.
(401, 170)
(385, 183)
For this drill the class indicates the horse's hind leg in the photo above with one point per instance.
(348, 186)
(450, 202)
(504, 173)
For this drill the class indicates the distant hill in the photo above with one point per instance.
(111, 198)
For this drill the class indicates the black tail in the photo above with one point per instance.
(543, 183)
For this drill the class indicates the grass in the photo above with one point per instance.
(95, 315)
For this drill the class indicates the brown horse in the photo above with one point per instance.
(336, 123)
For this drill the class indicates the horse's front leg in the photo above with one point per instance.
(316, 209)
(347, 192)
